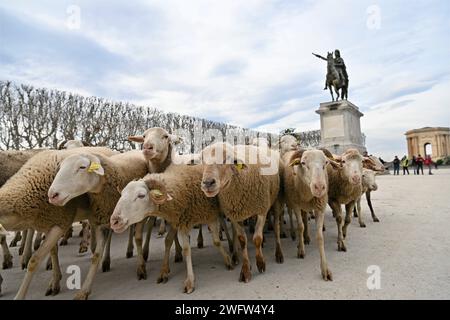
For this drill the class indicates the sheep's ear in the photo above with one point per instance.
(139, 139)
(295, 162)
(174, 139)
(97, 168)
(238, 166)
(158, 196)
(370, 164)
(334, 164)
(85, 144)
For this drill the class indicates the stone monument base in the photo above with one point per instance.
(340, 126)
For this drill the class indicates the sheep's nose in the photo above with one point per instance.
(148, 146)
(53, 195)
(319, 187)
(209, 182)
(115, 220)
(356, 179)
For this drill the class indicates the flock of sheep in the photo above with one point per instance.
(46, 191)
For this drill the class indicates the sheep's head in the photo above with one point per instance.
(368, 179)
(138, 200)
(352, 163)
(288, 143)
(77, 175)
(156, 143)
(311, 166)
(221, 162)
(71, 144)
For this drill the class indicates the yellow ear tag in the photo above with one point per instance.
(296, 162)
(94, 166)
(239, 166)
(156, 193)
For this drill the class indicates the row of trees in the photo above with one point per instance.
(41, 118)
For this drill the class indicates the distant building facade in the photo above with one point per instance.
(419, 140)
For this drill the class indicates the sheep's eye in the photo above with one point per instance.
(303, 163)
(141, 196)
(165, 136)
(343, 161)
(82, 167)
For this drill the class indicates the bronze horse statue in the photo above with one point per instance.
(334, 81)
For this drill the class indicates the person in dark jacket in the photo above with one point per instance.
(396, 163)
(419, 161)
(414, 164)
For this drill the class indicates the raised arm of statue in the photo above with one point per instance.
(319, 56)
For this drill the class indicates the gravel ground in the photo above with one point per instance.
(409, 245)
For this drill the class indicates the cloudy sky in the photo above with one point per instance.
(247, 63)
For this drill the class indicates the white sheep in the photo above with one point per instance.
(174, 195)
(23, 204)
(245, 186)
(100, 178)
(369, 184)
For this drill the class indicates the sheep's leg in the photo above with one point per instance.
(51, 240)
(178, 250)
(148, 236)
(24, 241)
(357, 209)
(235, 254)
(189, 283)
(130, 247)
(28, 248)
(278, 252)
(246, 274)
(162, 228)
(348, 217)
(326, 273)
(306, 238)
(141, 271)
(93, 239)
(106, 263)
(37, 241)
(85, 233)
(291, 222)
(224, 227)
(87, 284)
(369, 202)
(7, 256)
(336, 207)
(301, 229)
(165, 269)
(16, 239)
(54, 286)
(200, 237)
(282, 222)
(65, 240)
(215, 234)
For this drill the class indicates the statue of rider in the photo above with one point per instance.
(340, 67)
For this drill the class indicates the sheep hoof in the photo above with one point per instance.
(301, 255)
(261, 264)
(83, 249)
(106, 265)
(327, 275)
(293, 235)
(63, 242)
(245, 275)
(362, 225)
(8, 261)
(235, 259)
(341, 247)
(141, 272)
(188, 286)
(200, 244)
(306, 240)
(53, 289)
(82, 295)
(163, 277)
(279, 257)
(178, 257)
(375, 219)
(129, 254)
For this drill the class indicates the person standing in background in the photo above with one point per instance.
(414, 164)
(419, 161)
(396, 163)
(428, 162)
(405, 163)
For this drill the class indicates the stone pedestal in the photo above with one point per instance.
(340, 126)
